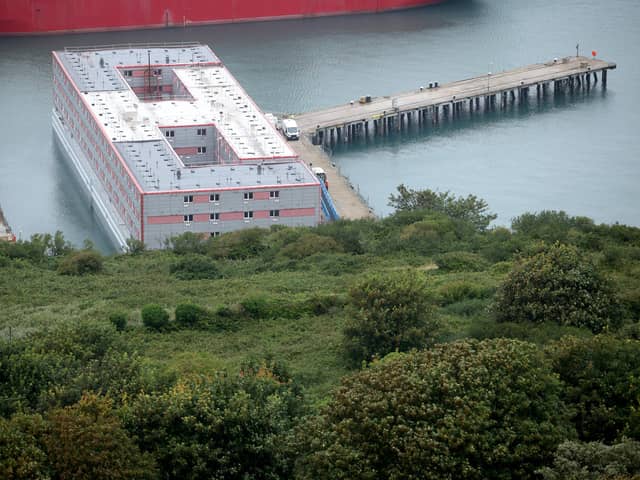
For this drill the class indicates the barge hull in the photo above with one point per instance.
(31, 17)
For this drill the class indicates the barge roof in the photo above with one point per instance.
(214, 97)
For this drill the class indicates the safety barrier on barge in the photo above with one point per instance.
(432, 103)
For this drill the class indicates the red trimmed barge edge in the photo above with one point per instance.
(30, 17)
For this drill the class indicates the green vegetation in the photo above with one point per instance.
(223, 357)
(558, 284)
(460, 410)
(390, 313)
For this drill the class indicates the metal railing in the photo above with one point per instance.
(328, 207)
(132, 46)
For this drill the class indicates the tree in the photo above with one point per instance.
(470, 208)
(595, 461)
(390, 312)
(602, 378)
(87, 440)
(558, 285)
(464, 410)
(221, 427)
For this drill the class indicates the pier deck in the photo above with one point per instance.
(347, 201)
(390, 113)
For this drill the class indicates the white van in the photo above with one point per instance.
(290, 129)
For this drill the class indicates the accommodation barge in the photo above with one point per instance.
(164, 141)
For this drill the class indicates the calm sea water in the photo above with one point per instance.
(579, 154)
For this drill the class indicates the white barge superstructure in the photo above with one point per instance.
(165, 141)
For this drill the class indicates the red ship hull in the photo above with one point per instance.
(29, 17)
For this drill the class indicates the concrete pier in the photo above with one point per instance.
(345, 197)
(430, 104)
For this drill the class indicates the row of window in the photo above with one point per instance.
(172, 133)
(129, 73)
(215, 197)
(216, 216)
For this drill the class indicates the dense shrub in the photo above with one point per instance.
(22, 454)
(195, 267)
(155, 317)
(190, 315)
(458, 290)
(55, 366)
(557, 285)
(118, 320)
(222, 427)
(550, 225)
(388, 312)
(239, 244)
(470, 209)
(87, 440)
(464, 410)
(135, 246)
(595, 461)
(460, 262)
(187, 243)
(601, 376)
(309, 244)
(81, 263)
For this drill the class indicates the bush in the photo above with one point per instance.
(458, 290)
(119, 320)
(187, 243)
(55, 366)
(388, 313)
(195, 267)
(595, 461)
(22, 455)
(557, 285)
(470, 209)
(226, 427)
(550, 225)
(135, 246)
(189, 315)
(81, 263)
(463, 410)
(87, 440)
(154, 317)
(309, 244)
(601, 376)
(239, 244)
(461, 262)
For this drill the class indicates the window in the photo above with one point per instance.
(214, 197)
(274, 213)
(248, 195)
(188, 199)
(248, 215)
(214, 216)
(202, 149)
(274, 194)
(169, 133)
(215, 234)
(202, 131)
(128, 73)
(188, 219)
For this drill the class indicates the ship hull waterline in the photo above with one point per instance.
(43, 17)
